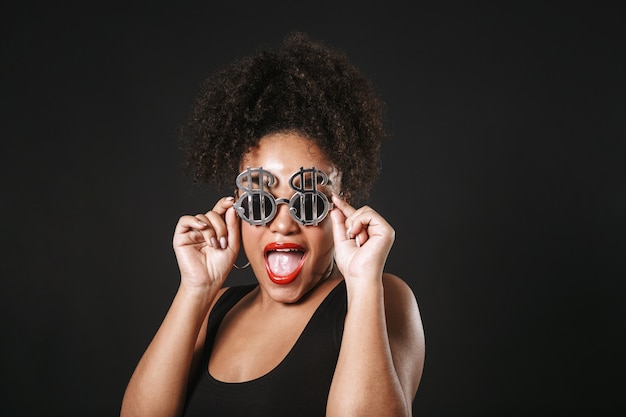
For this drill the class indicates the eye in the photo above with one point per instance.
(308, 207)
(257, 206)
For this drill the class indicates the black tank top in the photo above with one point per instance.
(297, 386)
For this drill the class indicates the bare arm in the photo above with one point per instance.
(382, 351)
(206, 246)
(159, 384)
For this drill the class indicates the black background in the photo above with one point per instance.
(505, 179)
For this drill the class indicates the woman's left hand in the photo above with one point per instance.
(363, 239)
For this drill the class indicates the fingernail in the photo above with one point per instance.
(230, 198)
(213, 242)
(348, 235)
(223, 243)
(358, 242)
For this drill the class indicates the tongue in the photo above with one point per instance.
(283, 263)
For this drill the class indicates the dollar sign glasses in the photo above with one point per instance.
(256, 205)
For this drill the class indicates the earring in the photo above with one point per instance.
(242, 267)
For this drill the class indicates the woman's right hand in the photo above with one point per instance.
(206, 246)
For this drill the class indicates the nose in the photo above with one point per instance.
(283, 223)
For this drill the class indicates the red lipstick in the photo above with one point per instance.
(283, 261)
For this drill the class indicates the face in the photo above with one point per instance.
(288, 257)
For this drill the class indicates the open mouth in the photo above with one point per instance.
(283, 261)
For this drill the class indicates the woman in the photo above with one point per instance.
(324, 331)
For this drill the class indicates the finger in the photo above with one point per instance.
(232, 223)
(186, 223)
(195, 238)
(339, 226)
(191, 230)
(361, 238)
(223, 204)
(208, 230)
(359, 223)
(220, 230)
(342, 205)
(355, 227)
(218, 238)
(369, 224)
(357, 230)
(346, 210)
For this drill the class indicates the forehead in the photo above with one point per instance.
(284, 153)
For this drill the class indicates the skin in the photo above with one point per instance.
(382, 349)
(282, 155)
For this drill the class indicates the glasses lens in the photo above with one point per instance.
(255, 208)
(309, 208)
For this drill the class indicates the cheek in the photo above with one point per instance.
(250, 236)
(323, 235)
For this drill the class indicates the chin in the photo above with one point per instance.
(290, 293)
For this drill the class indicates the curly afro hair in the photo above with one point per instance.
(305, 87)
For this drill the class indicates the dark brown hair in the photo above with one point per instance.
(304, 87)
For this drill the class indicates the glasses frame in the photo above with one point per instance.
(297, 199)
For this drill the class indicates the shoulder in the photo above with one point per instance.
(397, 290)
(401, 310)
